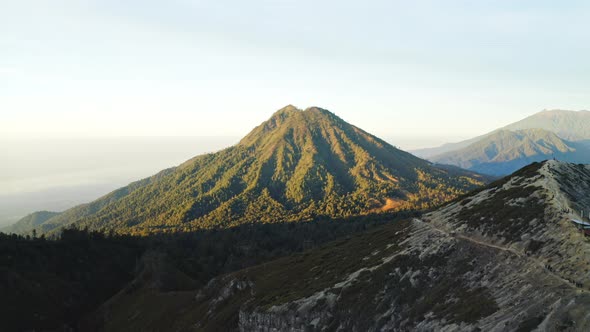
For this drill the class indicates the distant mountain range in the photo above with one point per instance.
(564, 135)
(505, 151)
(569, 125)
(299, 165)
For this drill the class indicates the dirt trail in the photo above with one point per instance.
(510, 250)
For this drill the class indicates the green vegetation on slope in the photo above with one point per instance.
(30, 222)
(381, 290)
(297, 166)
(46, 284)
(72, 215)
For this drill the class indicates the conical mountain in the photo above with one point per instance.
(569, 125)
(297, 166)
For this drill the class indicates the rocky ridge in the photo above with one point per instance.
(504, 258)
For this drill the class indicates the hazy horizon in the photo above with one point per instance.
(417, 74)
(58, 173)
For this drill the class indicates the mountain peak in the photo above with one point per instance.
(297, 165)
(555, 133)
(318, 110)
(285, 111)
(292, 121)
(558, 111)
(569, 125)
(291, 110)
(504, 151)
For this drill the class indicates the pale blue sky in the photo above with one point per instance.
(406, 69)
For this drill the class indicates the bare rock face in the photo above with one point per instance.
(506, 258)
(305, 314)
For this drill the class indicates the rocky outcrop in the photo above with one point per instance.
(504, 259)
(311, 313)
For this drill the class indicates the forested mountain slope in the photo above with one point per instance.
(297, 166)
(29, 222)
